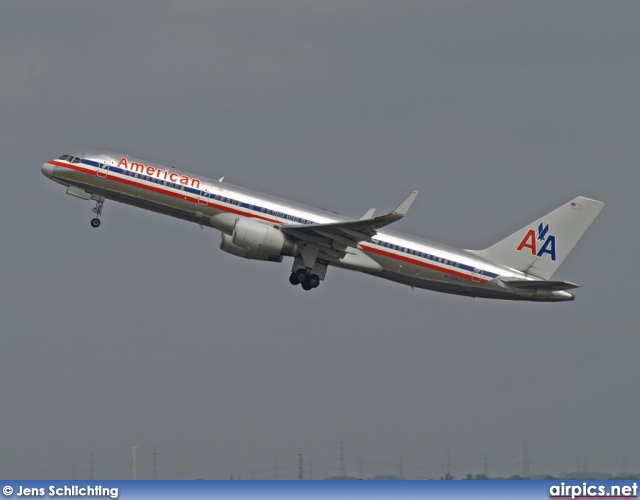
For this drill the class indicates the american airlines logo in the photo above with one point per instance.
(539, 242)
(159, 173)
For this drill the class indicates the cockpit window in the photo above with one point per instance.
(70, 158)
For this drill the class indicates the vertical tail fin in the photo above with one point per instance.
(541, 247)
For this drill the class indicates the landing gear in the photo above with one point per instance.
(301, 277)
(313, 281)
(297, 277)
(95, 222)
(293, 279)
(307, 270)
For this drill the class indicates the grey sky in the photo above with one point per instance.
(144, 333)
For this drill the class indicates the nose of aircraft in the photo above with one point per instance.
(47, 169)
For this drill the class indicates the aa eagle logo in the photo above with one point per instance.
(540, 242)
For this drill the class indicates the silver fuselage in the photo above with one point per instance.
(405, 259)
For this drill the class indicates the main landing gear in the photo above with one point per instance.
(301, 277)
(307, 270)
(95, 222)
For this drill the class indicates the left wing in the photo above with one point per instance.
(347, 233)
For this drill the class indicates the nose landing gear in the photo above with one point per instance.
(95, 222)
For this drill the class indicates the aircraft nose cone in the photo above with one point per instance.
(47, 169)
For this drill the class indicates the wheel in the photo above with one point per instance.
(293, 279)
(95, 222)
(313, 280)
(301, 275)
(306, 285)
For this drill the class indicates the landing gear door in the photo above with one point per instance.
(103, 166)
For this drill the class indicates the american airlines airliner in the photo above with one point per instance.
(262, 227)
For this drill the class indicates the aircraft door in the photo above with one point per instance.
(203, 199)
(477, 274)
(103, 166)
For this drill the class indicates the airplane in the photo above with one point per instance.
(262, 227)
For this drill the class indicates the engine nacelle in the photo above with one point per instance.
(262, 238)
(226, 245)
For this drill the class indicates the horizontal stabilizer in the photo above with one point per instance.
(538, 285)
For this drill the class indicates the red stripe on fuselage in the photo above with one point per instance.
(156, 189)
(420, 263)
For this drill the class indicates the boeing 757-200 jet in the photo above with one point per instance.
(262, 227)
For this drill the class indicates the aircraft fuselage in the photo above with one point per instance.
(394, 256)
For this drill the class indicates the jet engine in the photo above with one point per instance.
(255, 240)
(226, 245)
